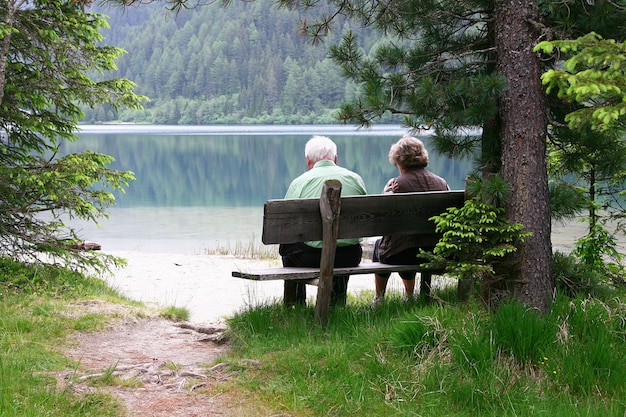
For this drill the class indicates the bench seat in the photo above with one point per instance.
(295, 273)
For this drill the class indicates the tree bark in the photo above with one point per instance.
(5, 46)
(524, 131)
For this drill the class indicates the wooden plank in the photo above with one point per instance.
(299, 220)
(291, 221)
(395, 214)
(330, 207)
(294, 273)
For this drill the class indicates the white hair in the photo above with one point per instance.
(319, 148)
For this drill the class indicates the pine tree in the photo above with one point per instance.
(588, 125)
(48, 49)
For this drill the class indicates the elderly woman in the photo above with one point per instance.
(411, 158)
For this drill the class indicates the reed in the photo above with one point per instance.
(247, 250)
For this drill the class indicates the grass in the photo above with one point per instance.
(33, 324)
(437, 358)
(174, 313)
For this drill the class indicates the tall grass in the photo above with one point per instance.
(437, 359)
(590, 358)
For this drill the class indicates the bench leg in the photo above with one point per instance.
(294, 293)
(425, 282)
(339, 294)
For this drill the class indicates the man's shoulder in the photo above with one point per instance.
(334, 170)
(348, 172)
(353, 183)
(297, 185)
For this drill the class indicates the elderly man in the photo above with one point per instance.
(321, 158)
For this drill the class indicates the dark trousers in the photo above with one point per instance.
(301, 255)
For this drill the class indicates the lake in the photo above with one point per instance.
(203, 187)
(200, 188)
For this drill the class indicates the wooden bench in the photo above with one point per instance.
(333, 217)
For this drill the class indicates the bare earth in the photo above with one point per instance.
(160, 368)
(172, 369)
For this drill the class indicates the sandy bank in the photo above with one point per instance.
(203, 283)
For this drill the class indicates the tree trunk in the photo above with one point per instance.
(5, 46)
(524, 131)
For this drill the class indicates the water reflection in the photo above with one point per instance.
(206, 168)
(198, 186)
(185, 230)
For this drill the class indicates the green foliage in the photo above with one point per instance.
(49, 51)
(522, 332)
(587, 170)
(448, 65)
(593, 75)
(587, 137)
(471, 362)
(90, 322)
(33, 325)
(429, 70)
(473, 346)
(594, 153)
(175, 313)
(573, 278)
(255, 67)
(492, 190)
(417, 335)
(587, 141)
(475, 242)
(566, 200)
(598, 251)
(590, 335)
(48, 280)
(574, 18)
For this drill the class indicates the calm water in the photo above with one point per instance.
(199, 187)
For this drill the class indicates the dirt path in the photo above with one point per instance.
(161, 368)
(156, 367)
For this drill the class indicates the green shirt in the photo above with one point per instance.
(310, 184)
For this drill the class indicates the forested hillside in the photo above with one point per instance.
(245, 63)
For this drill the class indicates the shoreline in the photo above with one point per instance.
(200, 283)
(203, 283)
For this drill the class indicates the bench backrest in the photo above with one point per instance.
(299, 220)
